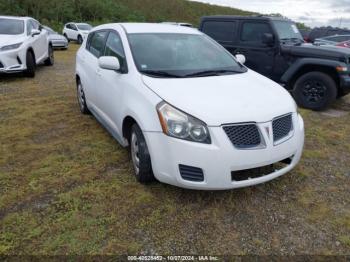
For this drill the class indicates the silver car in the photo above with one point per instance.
(58, 41)
(332, 40)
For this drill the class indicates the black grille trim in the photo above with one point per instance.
(282, 126)
(244, 136)
(246, 174)
(191, 173)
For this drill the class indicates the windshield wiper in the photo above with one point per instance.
(212, 72)
(159, 73)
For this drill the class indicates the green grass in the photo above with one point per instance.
(67, 187)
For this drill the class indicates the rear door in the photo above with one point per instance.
(259, 56)
(94, 49)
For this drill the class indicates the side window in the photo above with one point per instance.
(35, 24)
(68, 26)
(74, 27)
(29, 27)
(253, 32)
(96, 43)
(114, 47)
(220, 31)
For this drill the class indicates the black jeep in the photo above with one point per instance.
(274, 47)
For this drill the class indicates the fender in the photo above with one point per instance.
(293, 69)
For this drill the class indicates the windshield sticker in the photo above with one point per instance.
(144, 66)
(295, 29)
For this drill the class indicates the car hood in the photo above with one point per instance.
(225, 99)
(314, 51)
(10, 39)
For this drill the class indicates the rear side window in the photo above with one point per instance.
(253, 32)
(96, 43)
(223, 31)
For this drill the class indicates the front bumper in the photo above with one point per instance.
(12, 61)
(345, 83)
(220, 158)
(59, 43)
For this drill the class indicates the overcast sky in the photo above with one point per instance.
(310, 12)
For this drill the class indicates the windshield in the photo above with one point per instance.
(287, 30)
(11, 26)
(84, 27)
(180, 55)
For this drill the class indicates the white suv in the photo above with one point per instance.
(76, 31)
(23, 45)
(192, 114)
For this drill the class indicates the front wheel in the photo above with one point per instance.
(31, 65)
(50, 60)
(315, 90)
(80, 40)
(140, 156)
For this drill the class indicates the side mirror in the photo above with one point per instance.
(240, 58)
(109, 63)
(35, 32)
(268, 39)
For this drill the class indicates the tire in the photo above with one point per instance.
(51, 59)
(82, 99)
(140, 156)
(31, 65)
(315, 90)
(80, 39)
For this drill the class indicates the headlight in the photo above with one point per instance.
(10, 47)
(181, 125)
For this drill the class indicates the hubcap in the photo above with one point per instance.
(314, 91)
(81, 97)
(135, 153)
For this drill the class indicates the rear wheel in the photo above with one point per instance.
(140, 156)
(315, 90)
(80, 39)
(50, 60)
(81, 99)
(30, 63)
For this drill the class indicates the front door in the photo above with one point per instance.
(111, 84)
(259, 56)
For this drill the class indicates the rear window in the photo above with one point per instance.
(223, 31)
(11, 26)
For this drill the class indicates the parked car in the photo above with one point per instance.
(319, 32)
(344, 44)
(58, 41)
(23, 45)
(332, 40)
(179, 24)
(76, 31)
(192, 114)
(273, 47)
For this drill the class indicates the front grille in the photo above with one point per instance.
(243, 136)
(252, 173)
(282, 126)
(191, 173)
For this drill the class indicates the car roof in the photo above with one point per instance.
(132, 28)
(16, 17)
(241, 17)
